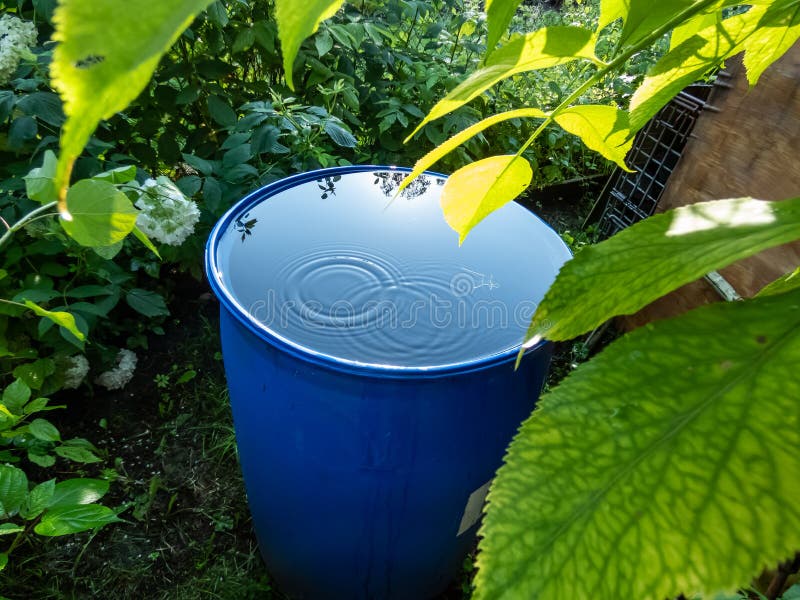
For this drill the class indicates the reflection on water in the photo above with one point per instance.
(328, 186)
(244, 225)
(341, 273)
(389, 181)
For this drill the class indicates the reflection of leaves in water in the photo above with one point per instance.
(328, 186)
(243, 226)
(389, 181)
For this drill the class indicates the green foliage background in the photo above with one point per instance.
(686, 404)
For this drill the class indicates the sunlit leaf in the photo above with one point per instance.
(101, 215)
(604, 129)
(78, 491)
(73, 519)
(694, 25)
(543, 48)
(64, 319)
(640, 17)
(454, 142)
(778, 29)
(478, 189)
(655, 256)
(689, 62)
(498, 16)
(106, 54)
(668, 464)
(297, 21)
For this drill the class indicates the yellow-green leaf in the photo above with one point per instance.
(689, 62)
(669, 464)
(142, 237)
(543, 48)
(604, 129)
(106, 54)
(451, 144)
(475, 191)
(686, 30)
(297, 21)
(498, 16)
(100, 214)
(777, 31)
(64, 319)
(640, 17)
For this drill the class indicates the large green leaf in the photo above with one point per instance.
(297, 21)
(668, 464)
(778, 29)
(77, 491)
(498, 16)
(146, 302)
(39, 499)
(543, 48)
(44, 430)
(73, 519)
(101, 215)
(454, 142)
(13, 490)
(689, 61)
(628, 271)
(105, 57)
(604, 129)
(16, 395)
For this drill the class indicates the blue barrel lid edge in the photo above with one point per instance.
(308, 354)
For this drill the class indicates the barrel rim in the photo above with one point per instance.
(227, 300)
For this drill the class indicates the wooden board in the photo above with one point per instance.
(751, 147)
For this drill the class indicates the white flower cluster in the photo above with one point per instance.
(166, 214)
(76, 370)
(118, 377)
(16, 38)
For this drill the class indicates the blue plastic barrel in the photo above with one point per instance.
(370, 362)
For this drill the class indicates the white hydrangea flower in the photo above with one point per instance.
(166, 215)
(76, 370)
(118, 377)
(16, 38)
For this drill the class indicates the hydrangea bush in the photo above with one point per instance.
(17, 37)
(118, 377)
(167, 215)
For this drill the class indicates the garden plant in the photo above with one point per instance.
(668, 464)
